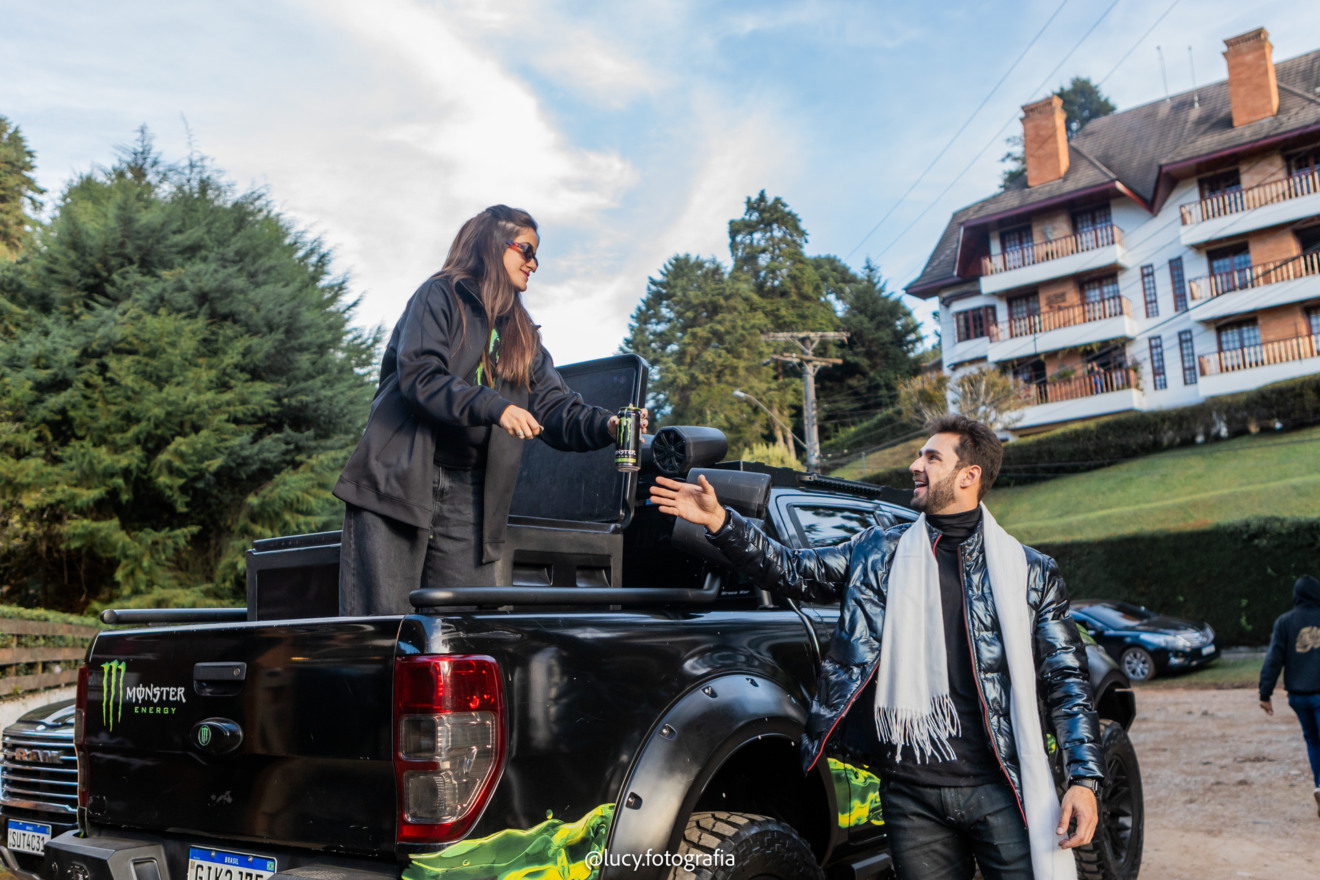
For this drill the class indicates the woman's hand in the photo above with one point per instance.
(519, 423)
(614, 424)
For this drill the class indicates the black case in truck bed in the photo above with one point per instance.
(627, 709)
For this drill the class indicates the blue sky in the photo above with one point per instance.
(632, 132)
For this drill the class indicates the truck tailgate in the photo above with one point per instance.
(246, 731)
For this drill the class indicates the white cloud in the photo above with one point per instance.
(588, 316)
(483, 128)
(596, 68)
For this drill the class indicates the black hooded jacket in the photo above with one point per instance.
(427, 394)
(1295, 645)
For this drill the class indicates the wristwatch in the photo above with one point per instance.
(1086, 782)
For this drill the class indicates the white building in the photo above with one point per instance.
(1167, 254)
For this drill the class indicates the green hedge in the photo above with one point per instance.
(1287, 405)
(1237, 576)
(15, 612)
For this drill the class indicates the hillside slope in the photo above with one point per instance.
(1259, 475)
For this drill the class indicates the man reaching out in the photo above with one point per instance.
(974, 628)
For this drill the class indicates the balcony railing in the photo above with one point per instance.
(1292, 187)
(1086, 385)
(1054, 319)
(1267, 353)
(1255, 276)
(1039, 252)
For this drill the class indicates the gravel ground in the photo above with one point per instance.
(1227, 788)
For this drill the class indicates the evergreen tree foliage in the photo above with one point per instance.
(767, 245)
(177, 377)
(1082, 102)
(700, 329)
(18, 191)
(700, 325)
(884, 338)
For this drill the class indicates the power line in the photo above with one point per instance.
(1139, 41)
(997, 135)
(968, 122)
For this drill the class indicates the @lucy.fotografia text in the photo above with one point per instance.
(652, 859)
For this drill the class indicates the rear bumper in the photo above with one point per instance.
(70, 857)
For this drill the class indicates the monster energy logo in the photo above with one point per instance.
(112, 693)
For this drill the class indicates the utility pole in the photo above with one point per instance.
(807, 341)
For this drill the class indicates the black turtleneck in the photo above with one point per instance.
(974, 762)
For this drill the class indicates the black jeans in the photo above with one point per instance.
(382, 560)
(945, 833)
(1307, 707)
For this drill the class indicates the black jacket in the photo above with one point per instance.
(426, 387)
(1295, 645)
(856, 573)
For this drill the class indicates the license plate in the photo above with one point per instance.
(1208, 649)
(215, 864)
(28, 837)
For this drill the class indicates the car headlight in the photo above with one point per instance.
(1173, 643)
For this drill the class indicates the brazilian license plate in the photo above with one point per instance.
(216, 864)
(28, 837)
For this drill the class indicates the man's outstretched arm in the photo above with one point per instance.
(816, 575)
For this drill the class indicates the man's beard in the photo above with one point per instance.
(938, 495)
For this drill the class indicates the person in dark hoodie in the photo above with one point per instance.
(1295, 650)
(464, 383)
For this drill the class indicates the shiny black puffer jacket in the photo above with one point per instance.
(856, 573)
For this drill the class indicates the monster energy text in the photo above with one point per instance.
(145, 697)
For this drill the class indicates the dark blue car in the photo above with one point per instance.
(1144, 642)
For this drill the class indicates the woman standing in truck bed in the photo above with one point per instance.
(464, 382)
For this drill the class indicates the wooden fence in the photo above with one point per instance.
(36, 654)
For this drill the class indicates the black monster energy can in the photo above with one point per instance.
(628, 439)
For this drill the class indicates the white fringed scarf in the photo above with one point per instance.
(913, 707)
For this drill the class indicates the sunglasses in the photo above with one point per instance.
(528, 250)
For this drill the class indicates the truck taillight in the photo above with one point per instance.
(448, 742)
(80, 732)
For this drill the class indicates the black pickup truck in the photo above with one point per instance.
(628, 708)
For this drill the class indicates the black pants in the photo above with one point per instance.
(945, 833)
(382, 560)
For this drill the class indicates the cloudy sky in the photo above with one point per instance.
(632, 132)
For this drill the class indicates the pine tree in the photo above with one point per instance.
(179, 376)
(768, 247)
(700, 330)
(883, 340)
(18, 191)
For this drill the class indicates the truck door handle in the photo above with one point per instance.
(218, 679)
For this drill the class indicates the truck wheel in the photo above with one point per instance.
(1115, 851)
(1138, 664)
(742, 846)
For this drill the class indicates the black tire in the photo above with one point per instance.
(743, 846)
(1138, 664)
(1115, 851)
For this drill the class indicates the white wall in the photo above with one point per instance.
(14, 708)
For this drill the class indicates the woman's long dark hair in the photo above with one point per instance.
(477, 256)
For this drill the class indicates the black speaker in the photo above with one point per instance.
(678, 449)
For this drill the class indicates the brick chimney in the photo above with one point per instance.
(1045, 140)
(1252, 88)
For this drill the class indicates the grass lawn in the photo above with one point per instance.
(1231, 671)
(898, 456)
(1189, 488)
